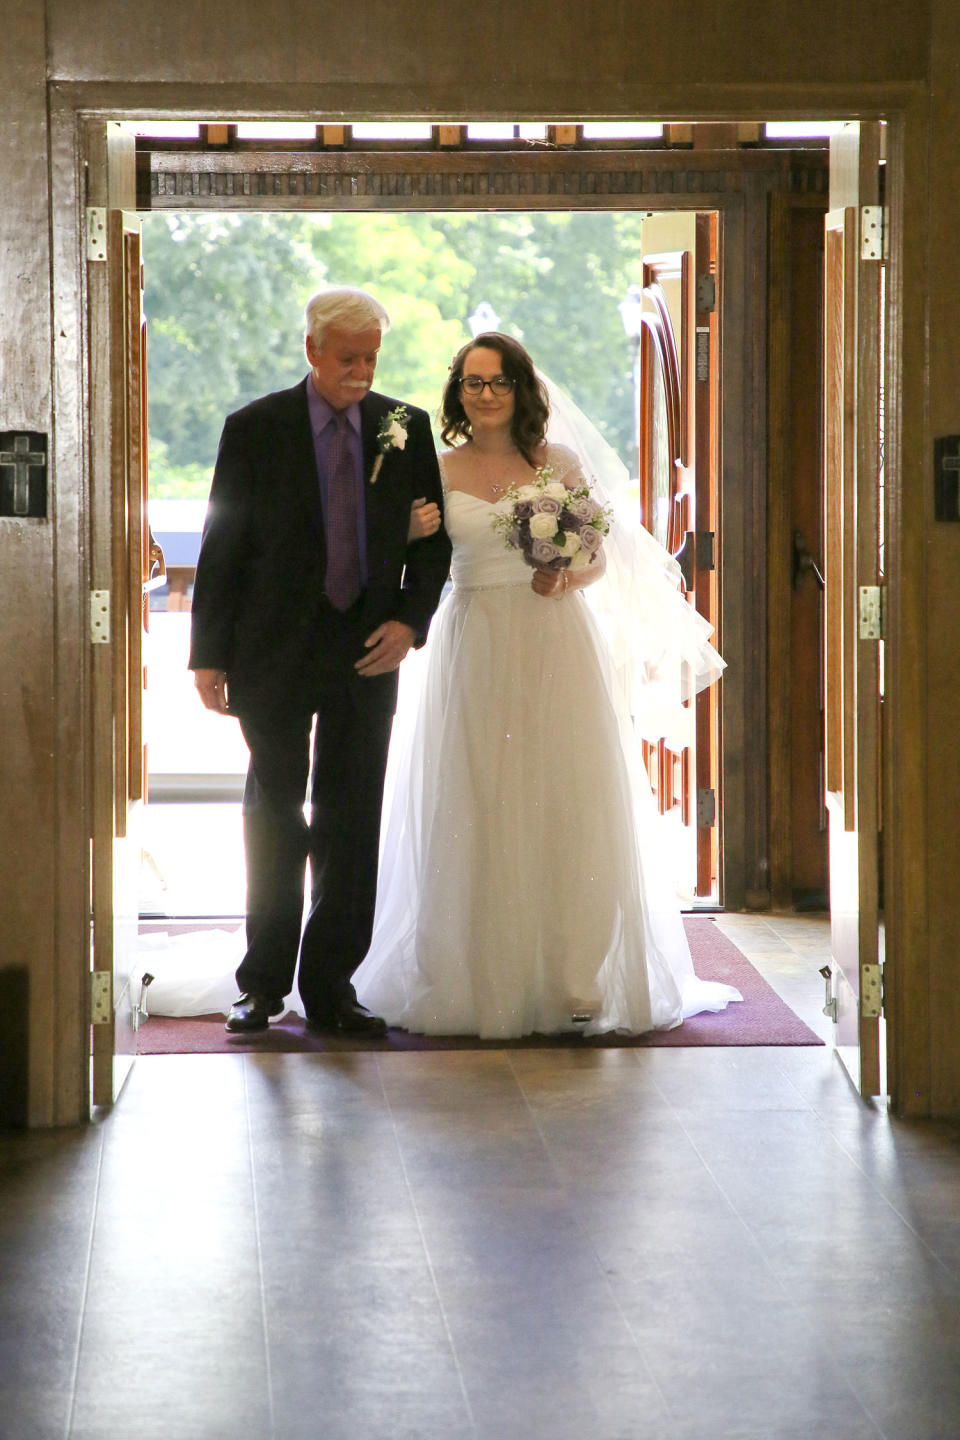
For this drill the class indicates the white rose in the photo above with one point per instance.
(397, 434)
(543, 527)
(556, 491)
(571, 543)
(581, 560)
(528, 492)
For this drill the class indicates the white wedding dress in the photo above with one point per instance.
(521, 880)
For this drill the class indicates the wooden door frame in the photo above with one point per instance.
(74, 106)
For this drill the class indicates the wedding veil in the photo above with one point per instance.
(660, 647)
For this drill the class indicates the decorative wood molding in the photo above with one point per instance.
(239, 179)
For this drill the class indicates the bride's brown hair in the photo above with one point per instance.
(530, 409)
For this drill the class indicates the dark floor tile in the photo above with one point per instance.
(32, 1410)
(600, 1245)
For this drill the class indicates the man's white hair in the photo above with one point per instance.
(346, 308)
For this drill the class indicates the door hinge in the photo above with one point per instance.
(706, 550)
(686, 559)
(703, 353)
(871, 991)
(871, 232)
(101, 988)
(706, 809)
(706, 293)
(96, 232)
(696, 555)
(873, 612)
(99, 617)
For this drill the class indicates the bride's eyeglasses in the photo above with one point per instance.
(474, 385)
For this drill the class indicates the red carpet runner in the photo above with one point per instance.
(762, 1018)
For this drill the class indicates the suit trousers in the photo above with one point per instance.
(343, 783)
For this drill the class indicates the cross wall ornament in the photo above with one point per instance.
(23, 467)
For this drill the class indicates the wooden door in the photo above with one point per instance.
(122, 558)
(678, 464)
(701, 546)
(852, 448)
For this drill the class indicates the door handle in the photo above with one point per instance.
(803, 562)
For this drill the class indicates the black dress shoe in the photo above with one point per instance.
(348, 1017)
(355, 1019)
(252, 1012)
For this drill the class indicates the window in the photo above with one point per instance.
(626, 130)
(163, 129)
(801, 129)
(400, 130)
(276, 130)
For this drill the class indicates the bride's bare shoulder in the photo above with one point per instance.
(453, 459)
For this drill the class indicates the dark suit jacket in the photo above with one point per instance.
(258, 611)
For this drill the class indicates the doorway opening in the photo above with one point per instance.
(604, 299)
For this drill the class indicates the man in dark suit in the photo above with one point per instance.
(308, 595)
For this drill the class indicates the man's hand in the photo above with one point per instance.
(386, 647)
(212, 689)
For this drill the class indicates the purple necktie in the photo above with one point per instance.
(343, 553)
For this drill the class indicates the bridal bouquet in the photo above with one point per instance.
(552, 526)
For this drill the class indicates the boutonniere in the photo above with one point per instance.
(392, 435)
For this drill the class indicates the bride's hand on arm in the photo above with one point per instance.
(424, 520)
(554, 584)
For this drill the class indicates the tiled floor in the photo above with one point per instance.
(788, 950)
(635, 1244)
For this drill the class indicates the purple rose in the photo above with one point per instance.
(522, 510)
(543, 552)
(590, 539)
(585, 509)
(547, 505)
(569, 521)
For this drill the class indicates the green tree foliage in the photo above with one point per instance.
(225, 297)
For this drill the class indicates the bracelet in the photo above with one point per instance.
(566, 581)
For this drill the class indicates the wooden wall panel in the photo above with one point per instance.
(537, 53)
(28, 808)
(942, 569)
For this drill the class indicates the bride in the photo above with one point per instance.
(521, 882)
